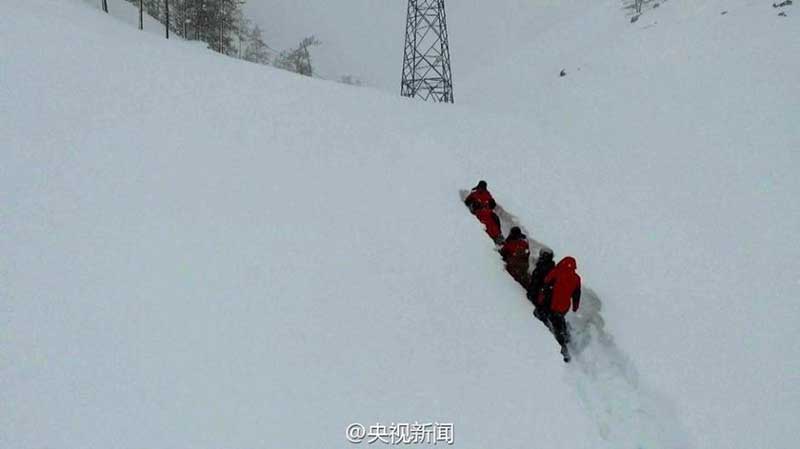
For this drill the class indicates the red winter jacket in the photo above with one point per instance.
(490, 221)
(566, 286)
(480, 199)
(515, 249)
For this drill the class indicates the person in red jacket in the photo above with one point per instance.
(480, 198)
(515, 253)
(491, 222)
(482, 204)
(566, 285)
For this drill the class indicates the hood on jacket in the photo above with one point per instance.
(568, 263)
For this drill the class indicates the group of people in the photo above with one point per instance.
(552, 288)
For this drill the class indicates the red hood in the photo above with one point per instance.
(568, 263)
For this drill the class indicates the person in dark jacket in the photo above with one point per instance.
(480, 198)
(537, 293)
(566, 285)
(515, 252)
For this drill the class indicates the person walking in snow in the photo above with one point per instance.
(482, 204)
(515, 253)
(566, 285)
(480, 198)
(538, 293)
(491, 223)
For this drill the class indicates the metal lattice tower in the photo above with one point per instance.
(426, 62)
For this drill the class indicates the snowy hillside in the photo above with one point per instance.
(682, 156)
(204, 253)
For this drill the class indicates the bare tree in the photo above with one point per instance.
(105, 6)
(221, 15)
(298, 60)
(141, 14)
(255, 49)
(166, 11)
(636, 7)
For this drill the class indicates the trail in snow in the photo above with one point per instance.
(627, 414)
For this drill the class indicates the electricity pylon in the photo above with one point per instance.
(426, 62)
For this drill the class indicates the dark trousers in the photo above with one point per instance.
(541, 301)
(560, 329)
(518, 269)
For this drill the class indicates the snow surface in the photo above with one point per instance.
(200, 252)
(678, 135)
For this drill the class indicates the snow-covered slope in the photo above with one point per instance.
(676, 180)
(200, 252)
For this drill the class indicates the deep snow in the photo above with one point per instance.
(204, 253)
(676, 134)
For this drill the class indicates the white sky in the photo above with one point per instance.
(365, 37)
